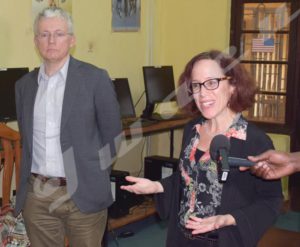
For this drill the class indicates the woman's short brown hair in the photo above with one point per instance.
(245, 87)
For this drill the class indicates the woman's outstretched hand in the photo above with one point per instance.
(142, 186)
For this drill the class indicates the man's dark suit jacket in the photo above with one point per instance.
(90, 123)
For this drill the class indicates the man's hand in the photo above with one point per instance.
(274, 164)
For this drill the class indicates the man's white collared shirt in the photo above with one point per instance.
(47, 156)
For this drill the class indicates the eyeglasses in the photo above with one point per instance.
(56, 35)
(210, 84)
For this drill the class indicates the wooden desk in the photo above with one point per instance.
(158, 127)
(136, 213)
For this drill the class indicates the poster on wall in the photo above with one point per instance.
(38, 5)
(126, 15)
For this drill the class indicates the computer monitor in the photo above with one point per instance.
(8, 77)
(124, 97)
(159, 86)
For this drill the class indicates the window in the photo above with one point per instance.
(264, 34)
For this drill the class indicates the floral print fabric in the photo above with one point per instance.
(201, 191)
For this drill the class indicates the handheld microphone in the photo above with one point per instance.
(219, 150)
(234, 161)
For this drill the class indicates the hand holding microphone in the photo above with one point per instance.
(219, 151)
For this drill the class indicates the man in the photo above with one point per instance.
(275, 164)
(69, 121)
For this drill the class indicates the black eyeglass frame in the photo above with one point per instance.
(190, 90)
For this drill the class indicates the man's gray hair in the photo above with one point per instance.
(52, 12)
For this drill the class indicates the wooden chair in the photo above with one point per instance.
(10, 156)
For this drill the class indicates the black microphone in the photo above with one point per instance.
(234, 161)
(219, 150)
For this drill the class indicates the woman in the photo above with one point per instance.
(201, 210)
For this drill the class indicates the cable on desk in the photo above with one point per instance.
(139, 99)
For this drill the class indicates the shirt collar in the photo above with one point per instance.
(63, 71)
(238, 128)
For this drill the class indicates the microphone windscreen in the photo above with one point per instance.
(217, 143)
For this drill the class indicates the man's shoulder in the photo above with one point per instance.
(85, 66)
(30, 76)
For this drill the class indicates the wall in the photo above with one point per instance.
(171, 33)
(184, 29)
(121, 53)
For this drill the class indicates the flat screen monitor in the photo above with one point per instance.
(124, 97)
(159, 84)
(8, 78)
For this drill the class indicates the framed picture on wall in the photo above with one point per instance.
(39, 5)
(126, 15)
